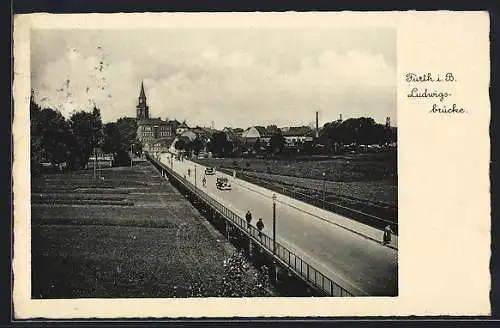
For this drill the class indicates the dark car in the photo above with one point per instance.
(223, 184)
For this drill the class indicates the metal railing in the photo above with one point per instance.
(283, 255)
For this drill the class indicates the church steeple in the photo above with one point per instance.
(142, 107)
(142, 95)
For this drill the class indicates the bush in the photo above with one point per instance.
(121, 158)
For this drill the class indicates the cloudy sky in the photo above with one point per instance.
(234, 77)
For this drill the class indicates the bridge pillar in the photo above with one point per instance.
(228, 230)
(250, 248)
(276, 271)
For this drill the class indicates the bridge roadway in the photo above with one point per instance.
(359, 264)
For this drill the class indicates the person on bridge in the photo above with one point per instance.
(204, 181)
(189, 172)
(387, 235)
(260, 226)
(248, 217)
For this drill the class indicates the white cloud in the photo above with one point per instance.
(229, 85)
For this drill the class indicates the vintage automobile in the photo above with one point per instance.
(209, 171)
(223, 184)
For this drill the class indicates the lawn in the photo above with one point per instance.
(126, 234)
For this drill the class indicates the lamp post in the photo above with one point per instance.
(274, 223)
(324, 187)
(131, 155)
(195, 176)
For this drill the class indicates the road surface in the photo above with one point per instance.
(352, 260)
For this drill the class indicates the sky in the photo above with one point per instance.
(231, 77)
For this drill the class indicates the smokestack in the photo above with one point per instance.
(340, 118)
(317, 125)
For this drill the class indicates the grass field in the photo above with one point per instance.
(126, 234)
(380, 167)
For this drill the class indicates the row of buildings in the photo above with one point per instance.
(157, 135)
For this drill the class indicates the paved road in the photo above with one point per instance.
(349, 259)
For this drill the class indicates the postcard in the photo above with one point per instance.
(203, 165)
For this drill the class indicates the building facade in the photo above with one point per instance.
(254, 133)
(152, 132)
(297, 134)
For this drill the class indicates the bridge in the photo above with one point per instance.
(334, 255)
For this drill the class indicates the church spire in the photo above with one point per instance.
(142, 95)
(142, 107)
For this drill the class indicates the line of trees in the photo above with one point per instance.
(69, 143)
(359, 131)
(120, 139)
(58, 141)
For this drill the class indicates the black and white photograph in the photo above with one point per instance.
(213, 163)
(250, 165)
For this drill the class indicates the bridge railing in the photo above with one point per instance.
(289, 259)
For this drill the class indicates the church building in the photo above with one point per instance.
(155, 134)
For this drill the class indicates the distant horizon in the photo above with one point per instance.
(193, 125)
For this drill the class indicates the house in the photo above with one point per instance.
(161, 145)
(99, 157)
(297, 134)
(254, 133)
(204, 134)
(189, 134)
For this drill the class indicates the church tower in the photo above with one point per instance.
(142, 107)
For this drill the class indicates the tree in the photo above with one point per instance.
(277, 143)
(112, 139)
(188, 146)
(52, 137)
(219, 145)
(256, 145)
(97, 131)
(88, 132)
(180, 143)
(197, 145)
(128, 130)
(273, 129)
(36, 149)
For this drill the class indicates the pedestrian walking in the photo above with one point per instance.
(248, 217)
(387, 235)
(204, 181)
(189, 172)
(260, 226)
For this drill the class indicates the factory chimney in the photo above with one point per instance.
(317, 125)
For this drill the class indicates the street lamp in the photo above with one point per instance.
(274, 223)
(195, 176)
(324, 187)
(131, 155)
